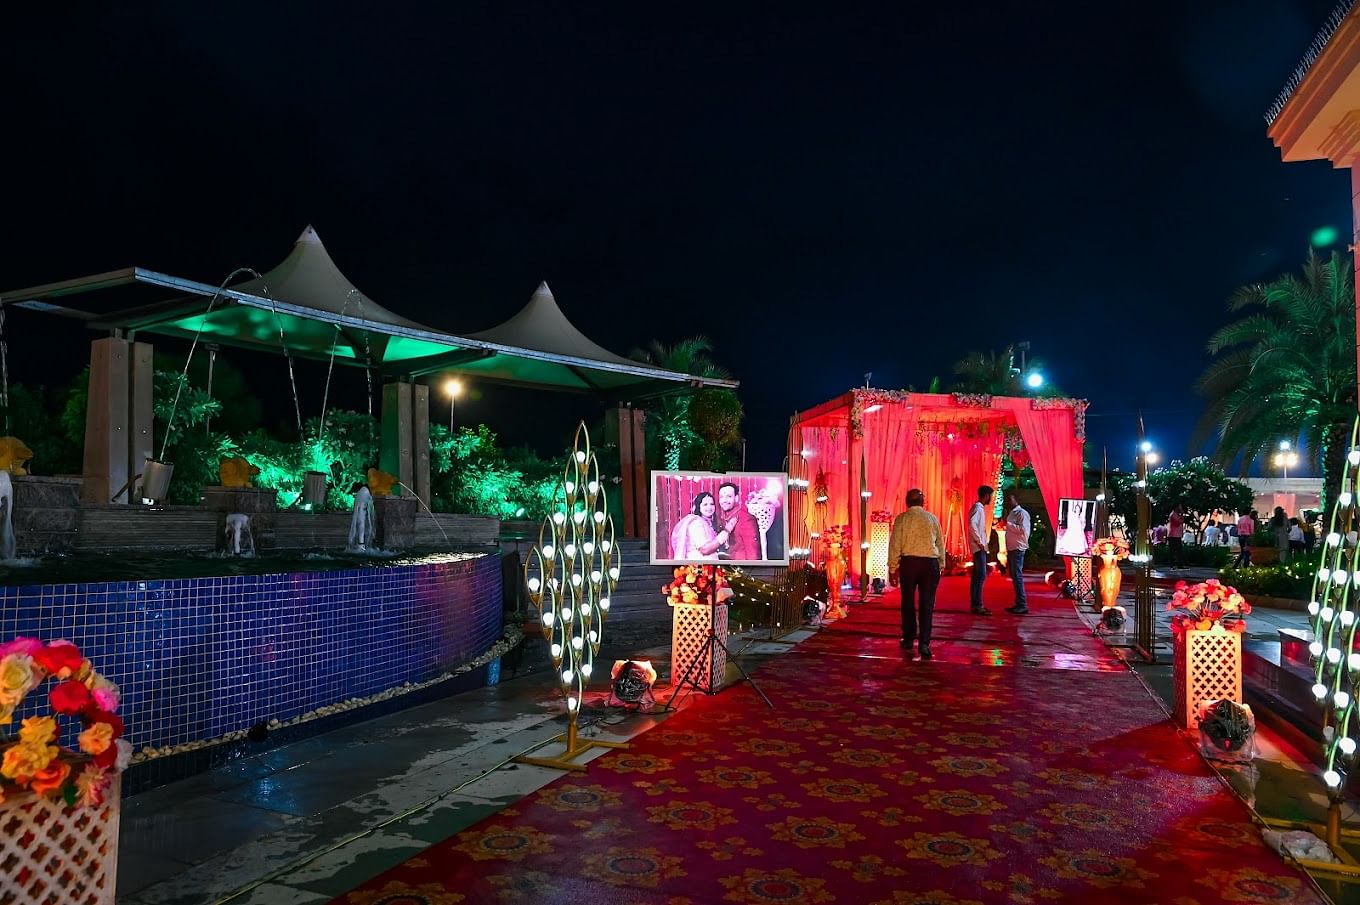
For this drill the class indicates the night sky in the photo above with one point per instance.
(825, 191)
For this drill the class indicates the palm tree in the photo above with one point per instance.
(992, 373)
(1287, 369)
(669, 414)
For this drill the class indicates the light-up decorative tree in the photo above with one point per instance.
(1333, 609)
(571, 574)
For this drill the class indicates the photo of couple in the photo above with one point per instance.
(701, 517)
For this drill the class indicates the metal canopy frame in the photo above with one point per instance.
(461, 350)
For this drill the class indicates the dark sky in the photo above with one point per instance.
(825, 191)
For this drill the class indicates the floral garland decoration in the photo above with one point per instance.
(1111, 546)
(34, 761)
(881, 515)
(973, 400)
(819, 489)
(862, 399)
(1201, 606)
(1078, 407)
(691, 584)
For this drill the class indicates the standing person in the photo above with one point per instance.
(693, 539)
(1279, 526)
(1309, 533)
(1175, 536)
(1296, 538)
(1211, 534)
(916, 555)
(978, 532)
(743, 543)
(1017, 542)
(1246, 527)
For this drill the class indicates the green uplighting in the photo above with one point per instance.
(1324, 236)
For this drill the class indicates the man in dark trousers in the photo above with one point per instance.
(916, 557)
(979, 532)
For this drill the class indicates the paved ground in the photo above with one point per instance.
(311, 820)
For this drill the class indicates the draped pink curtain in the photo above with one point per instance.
(1050, 438)
(828, 455)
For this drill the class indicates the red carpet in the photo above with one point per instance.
(1024, 764)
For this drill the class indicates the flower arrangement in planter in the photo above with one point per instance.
(1206, 605)
(1207, 624)
(1109, 550)
(693, 584)
(33, 761)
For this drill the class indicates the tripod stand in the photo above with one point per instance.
(706, 654)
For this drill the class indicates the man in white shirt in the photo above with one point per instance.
(1017, 542)
(1211, 534)
(979, 519)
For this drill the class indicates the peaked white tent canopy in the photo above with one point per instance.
(309, 308)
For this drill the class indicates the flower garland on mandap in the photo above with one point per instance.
(34, 761)
(691, 584)
(1201, 606)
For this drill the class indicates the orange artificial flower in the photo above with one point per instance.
(96, 739)
(25, 760)
(50, 779)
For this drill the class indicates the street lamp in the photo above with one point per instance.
(454, 388)
(1286, 458)
(1034, 380)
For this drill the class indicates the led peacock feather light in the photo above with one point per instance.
(571, 574)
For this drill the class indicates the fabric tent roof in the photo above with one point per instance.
(321, 314)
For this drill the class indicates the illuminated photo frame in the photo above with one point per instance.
(683, 533)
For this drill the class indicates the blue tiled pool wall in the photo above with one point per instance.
(198, 658)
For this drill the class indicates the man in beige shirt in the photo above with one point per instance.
(916, 558)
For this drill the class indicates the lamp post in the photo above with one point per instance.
(1145, 640)
(1286, 458)
(454, 388)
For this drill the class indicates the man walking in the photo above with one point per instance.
(916, 554)
(1175, 536)
(1017, 542)
(1246, 527)
(978, 532)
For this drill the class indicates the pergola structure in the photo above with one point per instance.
(306, 308)
(857, 455)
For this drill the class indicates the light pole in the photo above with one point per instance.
(454, 388)
(1145, 637)
(1286, 458)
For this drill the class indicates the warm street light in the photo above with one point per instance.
(1150, 457)
(453, 387)
(1286, 458)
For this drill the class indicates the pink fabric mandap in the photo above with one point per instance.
(946, 444)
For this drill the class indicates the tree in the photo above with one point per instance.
(1200, 487)
(1286, 369)
(715, 417)
(668, 417)
(994, 374)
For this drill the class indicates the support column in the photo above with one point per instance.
(396, 457)
(625, 426)
(118, 418)
(406, 436)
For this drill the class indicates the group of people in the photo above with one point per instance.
(716, 530)
(1293, 537)
(916, 560)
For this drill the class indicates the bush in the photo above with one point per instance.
(1193, 555)
(1293, 580)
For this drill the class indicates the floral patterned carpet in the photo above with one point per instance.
(1024, 764)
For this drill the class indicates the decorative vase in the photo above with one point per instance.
(1110, 580)
(52, 853)
(1207, 666)
(835, 577)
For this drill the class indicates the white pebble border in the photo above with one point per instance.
(513, 635)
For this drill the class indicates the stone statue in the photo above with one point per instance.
(7, 548)
(236, 472)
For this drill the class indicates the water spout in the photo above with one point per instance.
(433, 517)
(7, 546)
(238, 526)
(362, 525)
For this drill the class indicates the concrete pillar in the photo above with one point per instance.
(625, 426)
(406, 436)
(118, 418)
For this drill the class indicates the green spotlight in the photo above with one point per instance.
(1324, 235)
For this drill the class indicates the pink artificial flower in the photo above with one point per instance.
(21, 645)
(106, 699)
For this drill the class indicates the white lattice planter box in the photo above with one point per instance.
(1207, 667)
(705, 666)
(52, 854)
